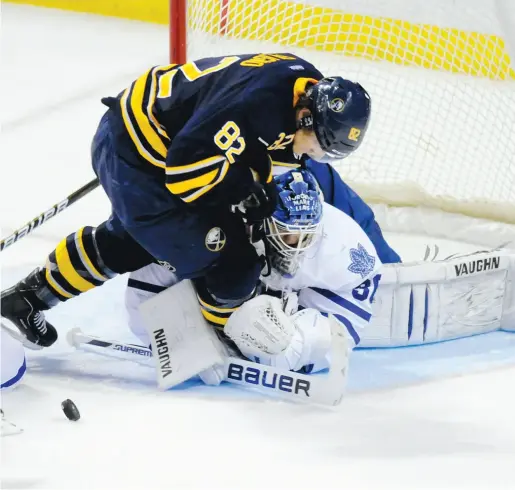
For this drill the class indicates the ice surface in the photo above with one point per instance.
(434, 417)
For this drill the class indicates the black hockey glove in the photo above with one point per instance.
(260, 204)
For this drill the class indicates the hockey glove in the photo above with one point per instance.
(260, 204)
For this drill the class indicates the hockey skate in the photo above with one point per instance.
(22, 308)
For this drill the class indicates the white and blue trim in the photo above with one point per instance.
(344, 303)
(17, 377)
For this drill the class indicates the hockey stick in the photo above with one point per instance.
(76, 338)
(49, 213)
(320, 389)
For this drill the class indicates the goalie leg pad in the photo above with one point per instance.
(428, 302)
(142, 285)
(182, 342)
(508, 316)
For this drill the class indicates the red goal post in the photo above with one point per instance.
(177, 34)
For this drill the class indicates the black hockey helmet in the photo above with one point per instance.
(340, 115)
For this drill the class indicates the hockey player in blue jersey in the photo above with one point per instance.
(174, 152)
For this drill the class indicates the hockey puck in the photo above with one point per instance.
(70, 410)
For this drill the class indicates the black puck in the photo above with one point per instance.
(70, 410)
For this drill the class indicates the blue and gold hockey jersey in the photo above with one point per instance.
(205, 123)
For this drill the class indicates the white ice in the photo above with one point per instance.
(435, 417)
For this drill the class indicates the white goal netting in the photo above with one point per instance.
(439, 73)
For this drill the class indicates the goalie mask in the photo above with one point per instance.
(295, 224)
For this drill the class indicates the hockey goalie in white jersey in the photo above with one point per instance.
(312, 250)
(320, 263)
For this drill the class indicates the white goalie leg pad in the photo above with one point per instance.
(142, 285)
(214, 375)
(182, 342)
(508, 316)
(435, 301)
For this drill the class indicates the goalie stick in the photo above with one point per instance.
(49, 213)
(320, 389)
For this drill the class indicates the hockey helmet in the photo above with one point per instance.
(340, 112)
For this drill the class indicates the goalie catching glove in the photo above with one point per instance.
(265, 334)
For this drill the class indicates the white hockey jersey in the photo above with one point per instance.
(338, 276)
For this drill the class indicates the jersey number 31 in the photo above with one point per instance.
(362, 292)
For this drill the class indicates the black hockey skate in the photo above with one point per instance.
(22, 307)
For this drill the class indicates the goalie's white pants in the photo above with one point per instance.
(12, 360)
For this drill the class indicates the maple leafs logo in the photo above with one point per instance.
(361, 261)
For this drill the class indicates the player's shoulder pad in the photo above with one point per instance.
(346, 254)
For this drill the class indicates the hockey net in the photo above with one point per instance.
(442, 83)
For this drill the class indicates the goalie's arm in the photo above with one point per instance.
(352, 309)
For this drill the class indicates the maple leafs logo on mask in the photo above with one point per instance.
(361, 261)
